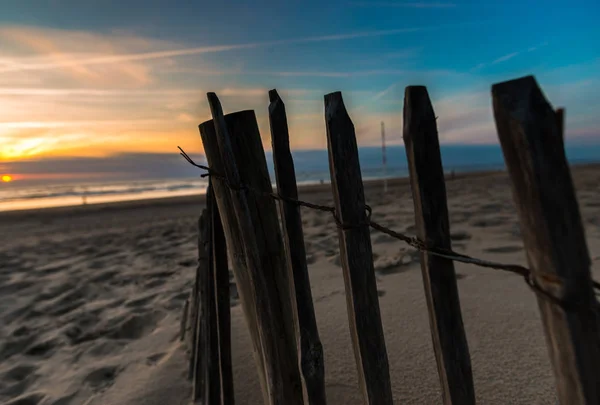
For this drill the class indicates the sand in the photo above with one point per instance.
(91, 299)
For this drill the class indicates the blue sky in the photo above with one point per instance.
(88, 78)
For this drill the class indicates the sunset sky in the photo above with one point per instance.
(120, 82)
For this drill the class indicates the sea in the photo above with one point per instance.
(312, 167)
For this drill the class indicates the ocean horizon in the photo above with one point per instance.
(312, 167)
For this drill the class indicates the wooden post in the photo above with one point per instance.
(356, 255)
(553, 236)
(192, 321)
(209, 346)
(310, 349)
(239, 145)
(223, 307)
(235, 245)
(199, 332)
(431, 218)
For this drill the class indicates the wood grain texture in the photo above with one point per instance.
(356, 255)
(310, 349)
(200, 335)
(194, 304)
(210, 351)
(235, 245)
(439, 277)
(223, 307)
(240, 146)
(553, 235)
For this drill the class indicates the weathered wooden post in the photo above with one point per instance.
(234, 243)
(356, 255)
(553, 235)
(223, 306)
(198, 336)
(431, 218)
(208, 345)
(264, 285)
(310, 349)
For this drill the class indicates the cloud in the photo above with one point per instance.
(35, 39)
(41, 49)
(505, 58)
(377, 4)
(509, 56)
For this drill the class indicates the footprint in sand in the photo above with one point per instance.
(18, 380)
(12, 346)
(134, 326)
(102, 377)
(155, 358)
(43, 349)
(19, 372)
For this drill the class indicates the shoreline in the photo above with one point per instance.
(308, 189)
(187, 200)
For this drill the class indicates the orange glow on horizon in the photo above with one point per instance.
(6, 178)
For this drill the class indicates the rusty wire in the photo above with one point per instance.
(412, 241)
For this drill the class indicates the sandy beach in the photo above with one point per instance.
(92, 296)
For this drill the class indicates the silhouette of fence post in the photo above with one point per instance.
(265, 278)
(310, 349)
(235, 244)
(439, 278)
(197, 335)
(274, 285)
(356, 255)
(553, 235)
(221, 298)
(208, 386)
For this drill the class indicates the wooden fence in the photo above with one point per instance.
(270, 267)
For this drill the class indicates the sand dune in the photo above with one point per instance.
(91, 299)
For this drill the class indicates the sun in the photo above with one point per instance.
(6, 178)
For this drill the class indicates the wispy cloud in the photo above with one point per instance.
(505, 58)
(420, 4)
(509, 56)
(378, 96)
(79, 62)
